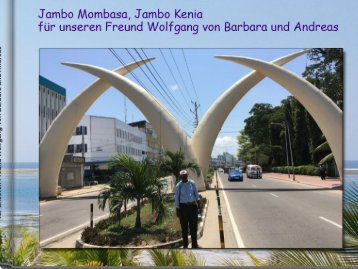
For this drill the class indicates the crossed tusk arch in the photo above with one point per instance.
(54, 144)
(174, 136)
(324, 111)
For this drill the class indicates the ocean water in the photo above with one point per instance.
(19, 196)
(351, 164)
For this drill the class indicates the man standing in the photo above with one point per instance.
(322, 171)
(186, 202)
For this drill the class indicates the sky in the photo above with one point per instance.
(210, 76)
(194, 75)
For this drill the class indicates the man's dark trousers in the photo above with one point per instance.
(189, 217)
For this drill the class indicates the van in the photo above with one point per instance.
(254, 171)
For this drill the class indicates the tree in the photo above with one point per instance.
(89, 257)
(245, 152)
(115, 196)
(326, 72)
(139, 181)
(19, 247)
(300, 146)
(174, 162)
(175, 257)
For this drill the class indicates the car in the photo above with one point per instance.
(235, 175)
(220, 170)
(254, 171)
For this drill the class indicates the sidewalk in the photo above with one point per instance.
(330, 183)
(77, 191)
(211, 234)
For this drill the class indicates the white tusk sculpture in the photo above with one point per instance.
(54, 143)
(172, 137)
(203, 139)
(324, 111)
(171, 134)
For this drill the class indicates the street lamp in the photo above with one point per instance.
(287, 128)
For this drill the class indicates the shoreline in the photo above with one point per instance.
(20, 171)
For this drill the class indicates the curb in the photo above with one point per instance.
(305, 183)
(68, 233)
(65, 196)
(173, 244)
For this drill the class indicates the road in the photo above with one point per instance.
(269, 213)
(63, 216)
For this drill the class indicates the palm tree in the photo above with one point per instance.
(309, 258)
(19, 247)
(175, 257)
(89, 257)
(115, 195)
(350, 218)
(175, 162)
(140, 181)
(324, 147)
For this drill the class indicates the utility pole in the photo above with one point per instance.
(289, 142)
(195, 112)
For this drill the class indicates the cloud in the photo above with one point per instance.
(225, 144)
(174, 87)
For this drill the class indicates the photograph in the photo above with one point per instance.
(191, 148)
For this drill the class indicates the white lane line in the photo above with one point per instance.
(239, 241)
(331, 222)
(274, 195)
(75, 229)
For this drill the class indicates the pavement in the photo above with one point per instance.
(63, 219)
(211, 235)
(276, 213)
(331, 183)
(273, 212)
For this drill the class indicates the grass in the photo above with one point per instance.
(110, 232)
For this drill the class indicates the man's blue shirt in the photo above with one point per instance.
(188, 192)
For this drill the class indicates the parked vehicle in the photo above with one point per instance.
(220, 170)
(254, 171)
(235, 175)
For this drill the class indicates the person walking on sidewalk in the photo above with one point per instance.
(322, 171)
(186, 203)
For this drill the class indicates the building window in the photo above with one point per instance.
(79, 130)
(70, 148)
(79, 148)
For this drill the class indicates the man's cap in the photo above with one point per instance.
(183, 172)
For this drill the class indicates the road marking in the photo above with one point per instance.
(331, 222)
(239, 241)
(274, 195)
(68, 232)
(77, 228)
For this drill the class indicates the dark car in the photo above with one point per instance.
(235, 175)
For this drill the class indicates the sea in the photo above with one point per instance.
(25, 202)
(19, 195)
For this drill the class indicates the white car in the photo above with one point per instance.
(220, 170)
(254, 171)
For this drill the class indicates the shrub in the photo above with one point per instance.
(310, 170)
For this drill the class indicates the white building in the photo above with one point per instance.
(104, 137)
(52, 99)
(153, 142)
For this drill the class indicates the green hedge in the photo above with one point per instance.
(310, 170)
